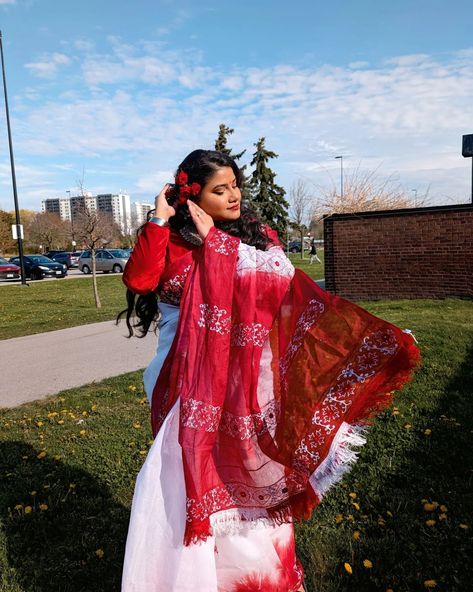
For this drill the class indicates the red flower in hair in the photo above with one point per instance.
(181, 178)
(184, 194)
(195, 189)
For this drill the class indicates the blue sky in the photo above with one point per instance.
(123, 91)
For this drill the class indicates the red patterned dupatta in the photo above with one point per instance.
(276, 379)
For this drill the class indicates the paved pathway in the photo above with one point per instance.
(36, 366)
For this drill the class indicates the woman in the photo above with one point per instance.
(261, 385)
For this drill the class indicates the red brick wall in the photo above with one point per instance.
(413, 253)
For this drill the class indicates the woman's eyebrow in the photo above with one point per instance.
(224, 184)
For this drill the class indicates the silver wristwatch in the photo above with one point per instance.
(159, 221)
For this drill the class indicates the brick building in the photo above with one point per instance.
(409, 253)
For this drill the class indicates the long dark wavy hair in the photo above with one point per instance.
(200, 166)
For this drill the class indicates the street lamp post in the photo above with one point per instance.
(341, 175)
(13, 175)
(414, 191)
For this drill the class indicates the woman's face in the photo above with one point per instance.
(221, 196)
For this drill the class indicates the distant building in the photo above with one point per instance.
(115, 204)
(139, 213)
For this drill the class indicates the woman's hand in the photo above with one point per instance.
(161, 207)
(203, 222)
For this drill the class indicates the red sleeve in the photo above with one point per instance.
(147, 260)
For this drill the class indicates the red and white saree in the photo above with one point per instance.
(268, 384)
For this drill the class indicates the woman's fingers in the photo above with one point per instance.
(203, 222)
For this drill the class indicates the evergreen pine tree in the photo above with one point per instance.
(266, 196)
(221, 146)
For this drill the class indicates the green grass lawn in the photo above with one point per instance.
(47, 306)
(68, 466)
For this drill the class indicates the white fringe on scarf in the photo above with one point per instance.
(339, 461)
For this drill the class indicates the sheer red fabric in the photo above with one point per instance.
(248, 451)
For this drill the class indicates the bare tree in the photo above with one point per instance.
(366, 191)
(95, 230)
(300, 209)
(46, 230)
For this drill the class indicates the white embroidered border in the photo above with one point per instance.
(271, 261)
(214, 318)
(244, 333)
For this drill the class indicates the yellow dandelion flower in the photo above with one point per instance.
(390, 514)
(352, 495)
(348, 568)
(57, 457)
(463, 526)
(61, 421)
(94, 408)
(100, 553)
(350, 518)
(408, 426)
(85, 413)
(132, 388)
(83, 432)
(338, 518)
(435, 505)
(424, 501)
(395, 412)
(430, 522)
(72, 485)
(356, 535)
(33, 493)
(367, 563)
(356, 505)
(28, 509)
(428, 507)
(443, 508)
(43, 507)
(381, 522)
(41, 455)
(442, 516)
(52, 414)
(18, 507)
(142, 452)
(427, 432)
(137, 425)
(430, 584)
(39, 423)
(46, 486)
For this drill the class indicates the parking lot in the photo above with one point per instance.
(71, 274)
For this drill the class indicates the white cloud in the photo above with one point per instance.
(147, 107)
(49, 65)
(3, 2)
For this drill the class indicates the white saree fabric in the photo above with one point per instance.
(258, 558)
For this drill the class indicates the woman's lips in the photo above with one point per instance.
(235, 207)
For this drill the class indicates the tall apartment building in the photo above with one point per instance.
(115, 204)
(139, 213)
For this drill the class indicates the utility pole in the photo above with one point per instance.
(341, 175)
(12, 163)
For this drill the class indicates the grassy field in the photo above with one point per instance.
(47, 306)
(68, 466)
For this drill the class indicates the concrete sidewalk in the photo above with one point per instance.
(36, 366)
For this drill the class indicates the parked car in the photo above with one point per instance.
(60, 257)
(295, 246)
(9, 271)
(75, 256)
(38, 267)
(105, 260)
